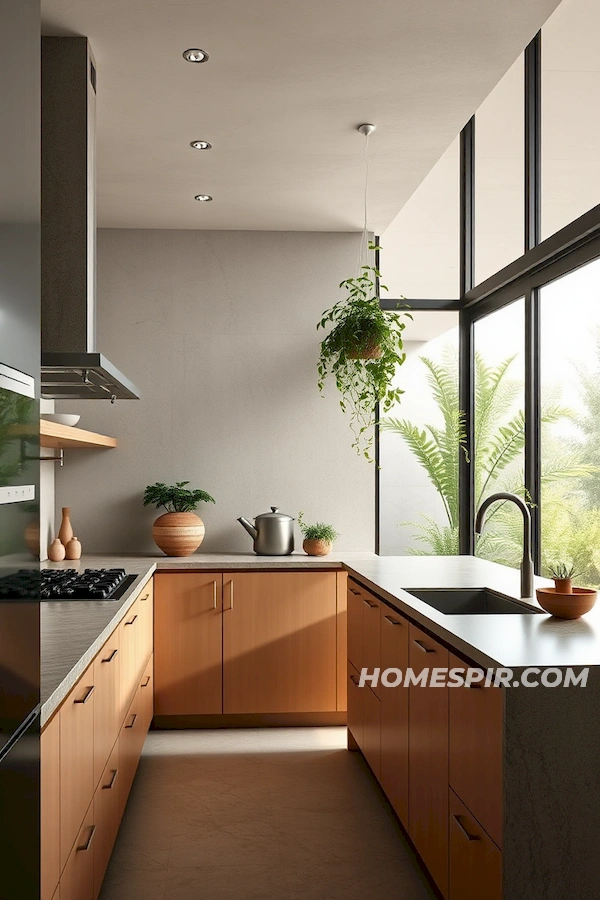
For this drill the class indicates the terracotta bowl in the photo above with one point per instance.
(566, 606)
(316, 547)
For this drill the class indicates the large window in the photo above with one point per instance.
(570, 377)
(570, 120)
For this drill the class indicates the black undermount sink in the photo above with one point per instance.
(469, 601)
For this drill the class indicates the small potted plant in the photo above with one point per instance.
(563, 575)
(318, 538)
(179, 531)
(362, 353)
(563, 600)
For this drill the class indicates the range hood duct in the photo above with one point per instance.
(72, 368)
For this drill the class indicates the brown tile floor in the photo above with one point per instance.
(261, 814)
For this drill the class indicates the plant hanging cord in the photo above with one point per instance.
(363, 250)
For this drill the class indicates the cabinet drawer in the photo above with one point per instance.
(475, 860)
(76, 761)
(372, 730)
(144, 634)
(371, 657)
(77, 879)
(106, 669)
(476, 750)
(394, 713)
(428, 759)
(106, 817)
(131, 741)
(147, 694)
(355, 706)
(355, 624)
(50, 805)
(129, 641)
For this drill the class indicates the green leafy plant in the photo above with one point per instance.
(320, 531)
(562, 571)
(175, 498)
(362, 353)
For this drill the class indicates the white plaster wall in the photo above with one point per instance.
(217, 330)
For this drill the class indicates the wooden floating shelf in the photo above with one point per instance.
(64, 436)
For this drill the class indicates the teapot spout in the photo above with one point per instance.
(249, 528)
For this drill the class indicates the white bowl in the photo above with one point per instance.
(61, 418)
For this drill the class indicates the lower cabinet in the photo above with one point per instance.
(372, 730)
(394, 713)
(475, 860)
(107, 816)
(77, 879)
(355, 706)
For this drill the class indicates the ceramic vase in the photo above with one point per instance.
(65, 532)
(73, 549)
(56, 551)
(178, 533)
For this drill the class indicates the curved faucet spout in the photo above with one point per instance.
(249, 527)
(526, 562)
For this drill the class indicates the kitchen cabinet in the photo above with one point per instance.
(341, 579)
(355, 624)
(76, 760)
(49, 808)
(147, 695)
(475, 767)
(129, 642)
(475, 860)
(107, 815)
(279, 642)
(355, 709)
(77, 879)
(188, 648)
(106, 671)
(371, 740)
(371, 653)
(394, 713)
(428, 758)
(131, 741)
(145, 632)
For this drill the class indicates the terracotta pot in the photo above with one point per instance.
(56, 551)
(179, 533)
(65, 532)
(371, 350)
(566, 606)
(563, 585)
(316, 547)
(73, 549)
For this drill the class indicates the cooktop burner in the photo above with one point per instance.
(66, 584)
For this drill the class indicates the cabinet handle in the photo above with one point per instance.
(133, 718)
(87, 695)
(146, 682)
(369, 604)
(230, 594)
(392, 621)
(109, 786)
(354, 681)
(469, 837)
(111, 657)
(422, 646)
(214, 594)
(356, 593)
(132, 620)
(88, 843)
(145, 597)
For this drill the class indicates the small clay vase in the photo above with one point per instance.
(316, 547)
(65, 532)
(56, 551)
(563, 585)
(73, 549)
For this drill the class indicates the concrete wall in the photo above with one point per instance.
(217, 330)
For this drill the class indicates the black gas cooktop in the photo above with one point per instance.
(66, 584)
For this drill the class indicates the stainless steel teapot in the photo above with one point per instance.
(273, 533)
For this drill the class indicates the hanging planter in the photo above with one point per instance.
(364, 348)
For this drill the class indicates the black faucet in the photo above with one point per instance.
(526, 562)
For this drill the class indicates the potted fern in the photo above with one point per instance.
(318, 538)
(179, 531)
(362, 353)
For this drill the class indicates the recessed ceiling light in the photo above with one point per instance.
(196, 55)
(204, 198)
(200, 145)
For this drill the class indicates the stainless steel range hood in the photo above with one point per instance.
(72, 367)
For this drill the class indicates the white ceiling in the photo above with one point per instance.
(286, 84)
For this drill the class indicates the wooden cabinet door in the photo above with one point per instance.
(147, 694)
(475, 860)
(372, 730)
(428, 759)
(50, 806)
(355, 624)
(187, 643)
(394, 713)
(106, 668)
(372, 635)
(129, 642)
(355, 718)
(279, 642)
(131, 741)
(106, 817)
(144, 634)
(76, 760)
(77, 879)
(476, 750)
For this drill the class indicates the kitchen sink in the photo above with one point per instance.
(470, 601)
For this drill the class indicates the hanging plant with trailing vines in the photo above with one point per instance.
(362, 353)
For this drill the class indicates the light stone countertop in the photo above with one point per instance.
(72, 633)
